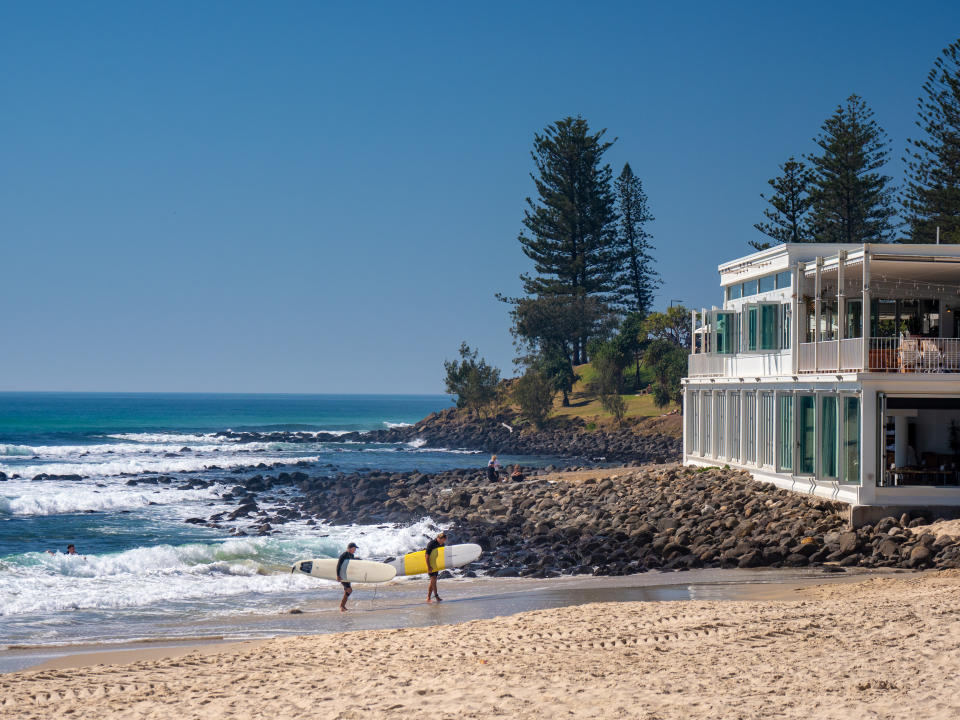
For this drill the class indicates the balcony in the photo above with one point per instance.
(886, 354)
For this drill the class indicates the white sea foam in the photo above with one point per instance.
(392, 425)
(188, 574)
(417, 442)
(60, 500)
(149, 464)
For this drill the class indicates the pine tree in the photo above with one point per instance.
(932, 196)
(851, 202)
(638, 280)
(790, 202)
(572, 224)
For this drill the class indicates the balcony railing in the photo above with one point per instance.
(889, 354)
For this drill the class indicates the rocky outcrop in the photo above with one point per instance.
(452, 429)
(666, 516)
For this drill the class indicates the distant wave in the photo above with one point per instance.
(391, 425)
(147, 464)
(81, 498)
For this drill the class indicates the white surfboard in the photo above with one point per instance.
(443, 558)
(358, 571)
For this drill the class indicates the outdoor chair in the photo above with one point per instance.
(930, 356)
(909, 355)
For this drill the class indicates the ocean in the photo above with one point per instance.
(142, 572)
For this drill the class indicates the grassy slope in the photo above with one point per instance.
(586, 406)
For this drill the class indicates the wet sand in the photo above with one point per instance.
(401, 604)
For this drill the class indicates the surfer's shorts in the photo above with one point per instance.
(347, 586)
(433, 574)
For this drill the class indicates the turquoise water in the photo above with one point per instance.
(143, 571)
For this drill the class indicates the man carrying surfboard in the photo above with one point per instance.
(439, 542)
(347, 587)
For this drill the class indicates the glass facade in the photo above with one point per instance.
(784, 279)
(768, 326)
(752, 327)
(766, 428)
(767, 283)
(726, 335)
(785, 453)
(851, 440)
(707, 448)
(806, 426)
(722, 428)
(828, 436)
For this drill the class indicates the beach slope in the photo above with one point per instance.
(883, 648)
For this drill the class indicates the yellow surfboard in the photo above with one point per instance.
(443, 558)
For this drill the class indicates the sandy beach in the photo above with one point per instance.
(882, 648)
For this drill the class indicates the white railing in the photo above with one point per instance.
(892, 354)
(704, 364)
(851, 354)
(915, 355)
(807, 357)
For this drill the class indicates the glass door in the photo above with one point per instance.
(851, 440)
(806, 434)
(828, 437)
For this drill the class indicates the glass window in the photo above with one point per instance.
(733, 452)
(930, 318)
(785, 326)
(854, 322)
(806, 422)
(707, 449)
(785, 458)
(828, 436)
(784, 279)
(749, 288)
(767, 283)
(884, 318)
(721, 424)
(828, 319)
(766, 428)
(750, 439)
(768, 326)
(752, 328)
(851, 440)
(692, 412)
(726, 335)
(734, 292)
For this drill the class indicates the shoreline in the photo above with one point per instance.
(401, 606)
(885, 647)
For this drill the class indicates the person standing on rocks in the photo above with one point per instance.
(432, 571)
(493, 469)
(347, 587)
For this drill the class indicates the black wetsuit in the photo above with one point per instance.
(343, 557)
(431, 546)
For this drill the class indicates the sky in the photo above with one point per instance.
(319, 197)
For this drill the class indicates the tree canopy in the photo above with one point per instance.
(786, 218)
(932, 194)
(637, 280)
(851, 201)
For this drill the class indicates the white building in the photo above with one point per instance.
(795, 381)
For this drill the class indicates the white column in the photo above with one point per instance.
(816, 312)
(868, 446)
(798, 317)
(693, 331)
(865, 308)
(841, 304)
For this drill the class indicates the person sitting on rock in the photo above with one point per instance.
(493, 469)
(517, 474)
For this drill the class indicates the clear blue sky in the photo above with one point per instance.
(324, 197)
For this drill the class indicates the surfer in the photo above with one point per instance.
(347, 588)
(439, 542)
